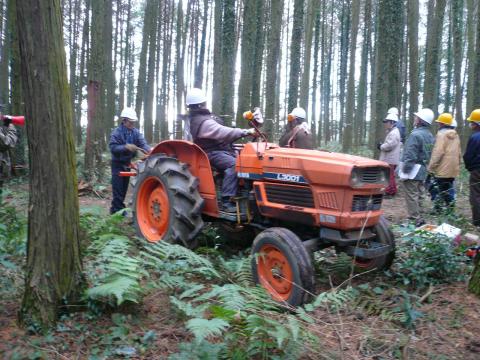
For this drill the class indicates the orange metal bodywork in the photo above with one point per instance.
(193, 155)
(326, 174)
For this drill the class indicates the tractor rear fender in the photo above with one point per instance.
(193, 155)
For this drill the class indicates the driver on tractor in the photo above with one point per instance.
(208, 132)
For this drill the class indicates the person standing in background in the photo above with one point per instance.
(416, 155)
(445, 162)
(124, 143)
(8, 140)
(390, 150)
(472, 163)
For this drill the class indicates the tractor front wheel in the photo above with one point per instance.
(166, 202)
(283, 266)
(385, 237)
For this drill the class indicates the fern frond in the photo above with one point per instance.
(336, 298)
(203, 328)
(187, 308)
(121, 287)
(193, 291)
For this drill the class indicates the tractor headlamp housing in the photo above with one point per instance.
(369, 176)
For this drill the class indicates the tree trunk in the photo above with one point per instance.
(412, 31)
(432, 56)
(201, 57)
(17, 105)
(326, 73)
(476, 71)
(295, 53)
(5, 57)
(228, 61)
(387, 67)
(305, 84)
(273, 57)
(217, 58)
(141, 82)
(96, 75)
(109, 75)
(149, 88)
(360, 112)
(54, 269)
(343, 59)
(246, 70)
(347, 138)
(474, 282)
(457, 19)
(258, 54)
(472, 8)
(316, 51)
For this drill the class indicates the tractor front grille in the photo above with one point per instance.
(372, 175)
(290, 195)
(367, 202)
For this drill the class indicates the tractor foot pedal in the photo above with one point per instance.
(232, 216)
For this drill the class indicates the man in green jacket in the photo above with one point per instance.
(416, 155)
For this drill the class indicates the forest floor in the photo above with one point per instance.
(447, 320)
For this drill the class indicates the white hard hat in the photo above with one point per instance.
(393, 110)
(195, 96)
(454, 123)
(391, 117)
(129, 113)
(298, 112)
(426, 115)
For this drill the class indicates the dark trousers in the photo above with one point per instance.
(475, 196)
(119, 187)
(225, 161)
(443, 191)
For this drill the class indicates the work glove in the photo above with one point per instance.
(247, 132)
(7, 120)
(132, 147)
(379, 145)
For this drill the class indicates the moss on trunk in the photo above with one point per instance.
(54, 269)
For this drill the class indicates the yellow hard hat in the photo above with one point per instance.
(445, 118)
(474, 116)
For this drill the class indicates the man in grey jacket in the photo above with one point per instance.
(417, 151)
(8, 139)
(208, 132)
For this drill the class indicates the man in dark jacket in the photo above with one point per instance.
(207, 131)
(416, 155)
(472, 163)
(297, 134)
(124, 143)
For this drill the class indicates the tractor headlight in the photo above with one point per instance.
(356, 178)
(385, 176)
(369, 176)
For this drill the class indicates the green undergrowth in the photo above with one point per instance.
(212, 296)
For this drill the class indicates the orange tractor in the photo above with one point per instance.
(295, 201)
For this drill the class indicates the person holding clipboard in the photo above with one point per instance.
(413, 168)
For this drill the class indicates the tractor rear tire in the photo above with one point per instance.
(283, 266)
(167, 205)
(386, 237)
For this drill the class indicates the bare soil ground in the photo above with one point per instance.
(448, 329)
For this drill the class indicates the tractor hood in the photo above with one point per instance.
(268, 161)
